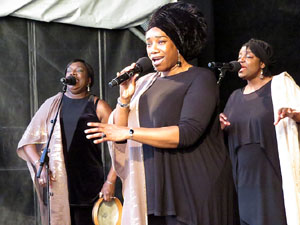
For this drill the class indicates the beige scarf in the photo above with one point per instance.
(129, 164)
(37, 133)
(286, 93)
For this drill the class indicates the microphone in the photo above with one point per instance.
(143, 64)
(233, 66)
(69, 80)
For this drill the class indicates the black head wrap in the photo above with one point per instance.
(185, 26)
(263, 51)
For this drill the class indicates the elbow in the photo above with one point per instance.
(189, 137)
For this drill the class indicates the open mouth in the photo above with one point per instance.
(242, 69)
(157, 60)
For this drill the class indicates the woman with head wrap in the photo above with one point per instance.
(264, 153)
(174, 164)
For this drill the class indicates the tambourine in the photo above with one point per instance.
(107, 213)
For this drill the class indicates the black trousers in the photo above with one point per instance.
(81, 215)
(163, 220)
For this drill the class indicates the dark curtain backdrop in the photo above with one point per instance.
(33, 56)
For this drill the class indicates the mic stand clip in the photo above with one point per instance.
(221, 75)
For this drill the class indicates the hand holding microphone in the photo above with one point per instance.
(143, 65)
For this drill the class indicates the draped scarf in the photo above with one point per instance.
(37, 133)
(286, 93)
(128, 162)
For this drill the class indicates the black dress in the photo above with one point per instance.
(82, 157)
(254, 154)
(192, 182)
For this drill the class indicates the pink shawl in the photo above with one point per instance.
(37, 133)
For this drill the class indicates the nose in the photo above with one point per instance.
(153, 49)
(73, 73)
(241, 58)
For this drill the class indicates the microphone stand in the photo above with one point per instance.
(44, 159)
(221, 75)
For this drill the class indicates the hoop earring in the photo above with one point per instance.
(261, 76)
(178, 59)
(88, 88)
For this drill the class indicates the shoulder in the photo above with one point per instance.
(51, 100)
(283, 77)
(103, 109)
(102, 105)
(202, 74)
(236, 94)
(55, 97)
(202, 78)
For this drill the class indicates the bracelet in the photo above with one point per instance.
(122, 104)
(36, 161)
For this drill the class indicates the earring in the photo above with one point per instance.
(261, 76)
(88, 88)
(178, 59)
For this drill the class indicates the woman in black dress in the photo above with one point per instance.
(248, 121)
(76, 167)
(174, 166)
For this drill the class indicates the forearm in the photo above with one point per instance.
(112, 175)
(121, 114)
(32, 154)
(164, 137)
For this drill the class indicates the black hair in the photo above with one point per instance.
(88, 67)
(184, 24)
(263, 51)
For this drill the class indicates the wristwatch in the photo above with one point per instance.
(131, 132)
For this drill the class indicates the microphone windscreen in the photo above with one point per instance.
(236, 66)
(144, 64)
(69, 80)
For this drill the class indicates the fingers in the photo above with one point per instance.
(42, 182)
(97, 130)
(96, 135)
(277, 121)
(95, 124)
(107, 196)
(126, 69)
(285, 112)
(223, 120)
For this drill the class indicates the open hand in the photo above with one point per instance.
(223, 121)
(106, 132)
(286, 112)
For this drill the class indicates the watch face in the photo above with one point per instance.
(131, 132)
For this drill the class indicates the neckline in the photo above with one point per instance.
(74, 99)
(175, 75)
(257, 90)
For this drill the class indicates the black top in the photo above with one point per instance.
(82, 157)
(194, 180)
(254, 154)
(252, 117)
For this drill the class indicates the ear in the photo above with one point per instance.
(90, 80)
(262, 65)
